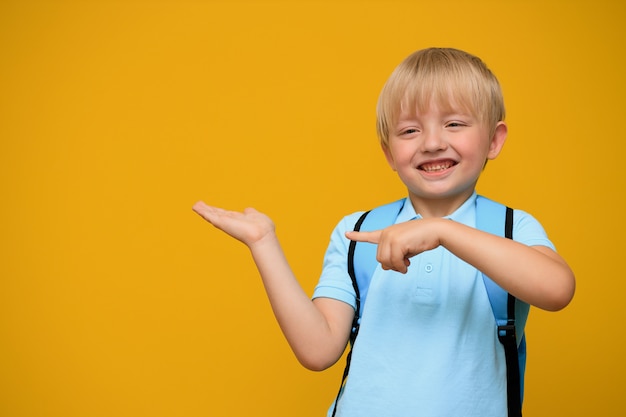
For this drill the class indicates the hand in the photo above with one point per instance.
(249, 227)
(398, 243)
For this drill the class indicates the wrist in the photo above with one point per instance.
(268, 239)
(444, 230)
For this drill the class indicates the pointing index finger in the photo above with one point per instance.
(370, 237)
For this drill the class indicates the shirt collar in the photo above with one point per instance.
(464, 214)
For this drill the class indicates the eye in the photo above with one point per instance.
(456, 124)
(408, 131)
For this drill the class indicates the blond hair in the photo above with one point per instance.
(446, 77)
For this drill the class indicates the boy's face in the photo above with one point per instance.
(439, 155)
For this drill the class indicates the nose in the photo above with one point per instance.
(433, 141)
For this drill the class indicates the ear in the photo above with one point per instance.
(497, 140)
(388, 156)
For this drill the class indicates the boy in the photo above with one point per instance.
(427, 344)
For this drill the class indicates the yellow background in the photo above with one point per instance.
(116, 116)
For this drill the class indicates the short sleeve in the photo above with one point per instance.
(528, 230)
(335, 281)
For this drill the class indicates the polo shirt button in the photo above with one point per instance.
(428, 268)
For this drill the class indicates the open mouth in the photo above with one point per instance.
(436, 166)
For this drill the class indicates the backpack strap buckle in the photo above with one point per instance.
(507, 331)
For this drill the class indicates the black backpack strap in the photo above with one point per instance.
(355, 285)
(357, 310)
(508, 337)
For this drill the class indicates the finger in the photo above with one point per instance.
(199, 207)
(392, 258)
(250, 211)
(401, 268)
(370, 237)
(401, 263)
(208, 213)
(385, 255)
(202, 209)
(398, 262)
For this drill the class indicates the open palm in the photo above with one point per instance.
(249, 226)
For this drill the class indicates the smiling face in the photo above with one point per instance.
(440, 117)
(439, 153)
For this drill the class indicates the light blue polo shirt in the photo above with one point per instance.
(427, 344)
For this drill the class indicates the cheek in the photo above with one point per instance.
(474, 150)
(400, 154)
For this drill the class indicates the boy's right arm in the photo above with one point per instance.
(317, 330)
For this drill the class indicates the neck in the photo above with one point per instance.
(438, 207)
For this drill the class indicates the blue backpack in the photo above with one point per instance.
(491, 217)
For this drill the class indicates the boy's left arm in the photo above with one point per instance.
(534, 274)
